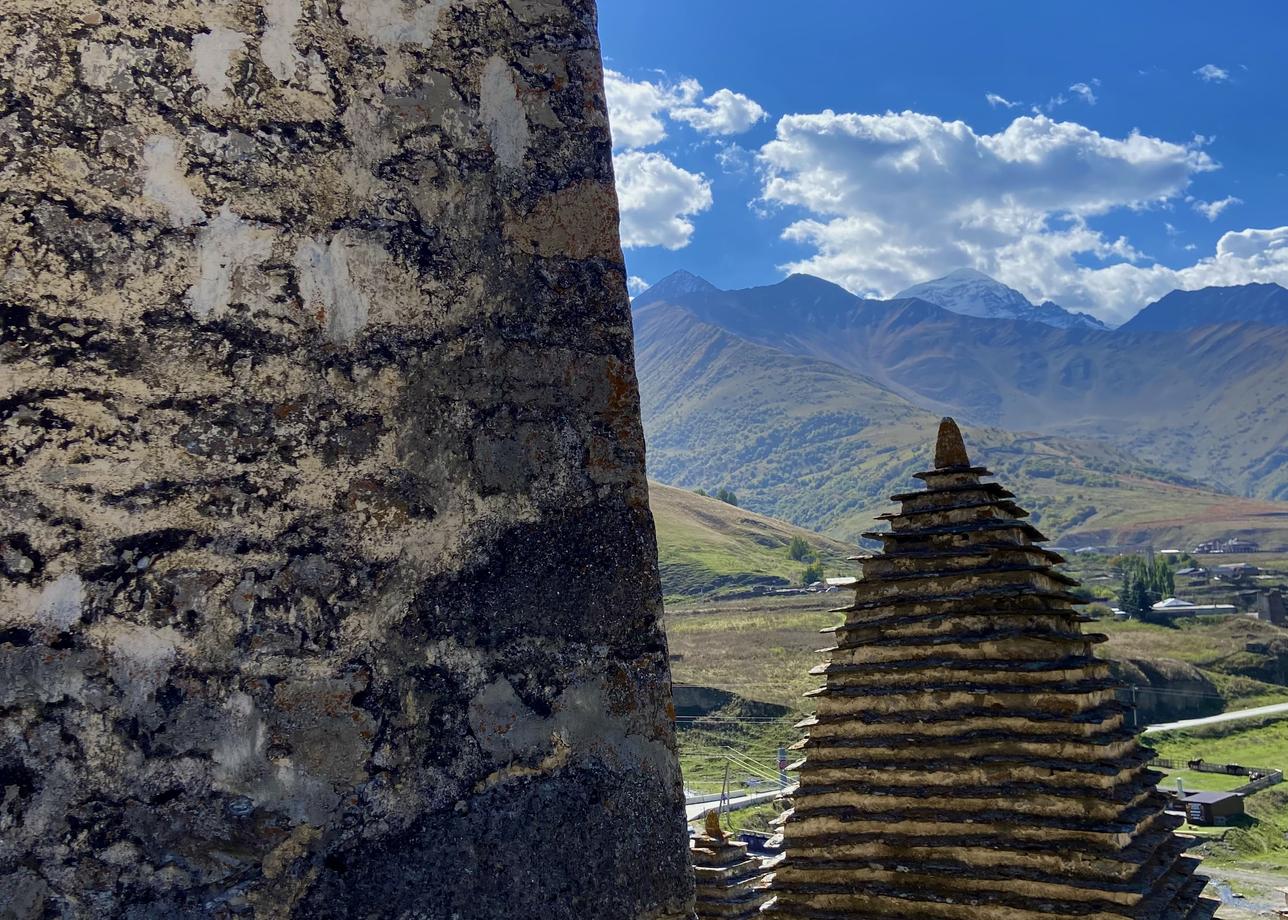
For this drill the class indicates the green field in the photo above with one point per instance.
(750, 749)
(1257, 743)
(1212, 643)
(761, 649)
(1195, 781)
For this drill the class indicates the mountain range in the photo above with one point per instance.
(814, 404)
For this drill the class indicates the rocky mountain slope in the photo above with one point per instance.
(1265, 304)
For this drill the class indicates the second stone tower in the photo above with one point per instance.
(969, 759)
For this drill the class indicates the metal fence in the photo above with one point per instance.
(1202, 766)
(1273, 778)
(1260, 777)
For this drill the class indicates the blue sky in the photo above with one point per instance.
(1098, 154)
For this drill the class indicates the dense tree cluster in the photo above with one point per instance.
(1146, 581)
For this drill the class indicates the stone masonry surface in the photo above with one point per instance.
(328, 583)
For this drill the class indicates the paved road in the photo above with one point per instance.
(693, 812)
(1223, 717)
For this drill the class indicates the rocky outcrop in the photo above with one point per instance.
(694, 702)
(968, 759)
(1166, 690)
(328, 583)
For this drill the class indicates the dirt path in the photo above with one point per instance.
(1257, 887)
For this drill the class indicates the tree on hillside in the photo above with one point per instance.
(727, 496)
(702, 492)
(798, 551)
(812, 573)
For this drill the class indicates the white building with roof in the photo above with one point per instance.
(1175, 607)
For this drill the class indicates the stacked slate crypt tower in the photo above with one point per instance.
(729, 881)
(969, 759)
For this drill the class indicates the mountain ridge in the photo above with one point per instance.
(677, 284)
(1209, 402)
(1253, 303)
(809, 441)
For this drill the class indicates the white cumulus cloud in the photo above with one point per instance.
(723, 112)
(635, 109)
(995, 101)
(1210, 73)
(640, 109)
(1085, 92)
(636, 285)
(897, 198)
(1241, 257)
(1212, 209)
(657, 198)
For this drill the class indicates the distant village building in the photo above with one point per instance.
(969, 759)
(1234, 545)
(1175, 607)
(1271, 609)
(1236, 570)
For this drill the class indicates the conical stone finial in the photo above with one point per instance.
(713, 828)
(950, 449)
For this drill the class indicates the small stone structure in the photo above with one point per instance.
(1270, 607)
(968, 759)
(730, 883)
(328, 583)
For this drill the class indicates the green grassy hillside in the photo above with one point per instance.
(1261, 839)
(705, 545)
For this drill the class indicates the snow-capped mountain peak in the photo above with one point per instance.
(677, 284)
(973, 293)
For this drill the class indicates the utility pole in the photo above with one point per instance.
(724, 791)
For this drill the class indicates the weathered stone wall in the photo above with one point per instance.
(327, 577)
